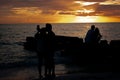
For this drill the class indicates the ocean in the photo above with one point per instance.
(12, 37)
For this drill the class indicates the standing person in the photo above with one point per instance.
(90, 35)
(97, 35)
(38, 32)
(38, 28)
(37, 37)
(49, 60)
(40, 37)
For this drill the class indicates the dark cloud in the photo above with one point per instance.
(108, 7)
(108, 10)
(66, 13)
(6, 12)
(45, 5)
(51, 12)
(103, 10)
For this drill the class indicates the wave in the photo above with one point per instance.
(9, 43)
(30, 61)
(18, 64)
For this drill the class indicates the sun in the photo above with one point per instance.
(85, 19)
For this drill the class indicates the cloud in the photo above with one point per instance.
(92, 0)
(50, 8)
(43, 4)
(47, 7)
(108, 10)
(102, 10)
(66, 12)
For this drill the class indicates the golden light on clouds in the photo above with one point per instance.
(88, 3)
(85, 11)
(66, 19)
(111, 2)
(84, 3)
(27, 11)
(59, 11)
(107, 19)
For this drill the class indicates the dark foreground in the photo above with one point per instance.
(95, 59)
(65, 71)
(31, 73)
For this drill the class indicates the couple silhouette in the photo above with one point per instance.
(45, 38)
(93, 35)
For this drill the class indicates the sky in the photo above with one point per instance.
(59, 11)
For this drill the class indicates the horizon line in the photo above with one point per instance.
(61, 23)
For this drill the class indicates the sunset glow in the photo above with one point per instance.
(88, 3)
(85, 11)
(89, 19)
(62, 11)
(85, 19)
(85, 3)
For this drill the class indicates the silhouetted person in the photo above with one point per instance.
(40, 37)
(49, 61)
(38, 28)
(37, 34)
(89, 36)
(97, 35)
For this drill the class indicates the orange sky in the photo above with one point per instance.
(59, 11)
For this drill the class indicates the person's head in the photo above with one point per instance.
(48, 26)
(92, 27)
(38, 28)
(96, 30)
